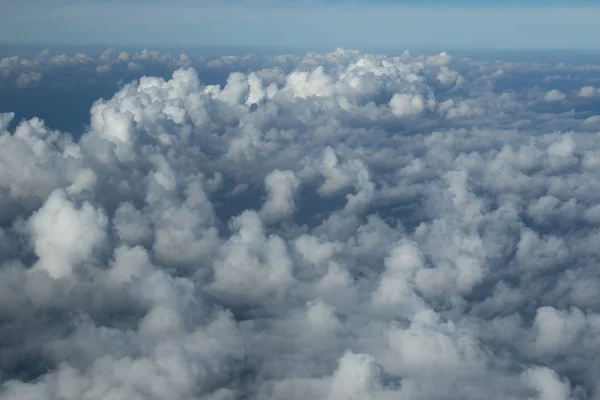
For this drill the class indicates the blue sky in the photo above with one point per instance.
(466, 24)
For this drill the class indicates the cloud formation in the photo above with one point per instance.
(332, 226)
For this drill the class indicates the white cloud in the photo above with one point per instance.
(102, 69)
(330, 226)
(547, 384)
(557, 330)
(65, 235)
(588, 91)
(554, 95)
(404, 105)
(27, 78)
(594, 119)
(281, 187)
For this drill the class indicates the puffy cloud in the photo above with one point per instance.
(27, 78)
(404, 105)
(594, 119)
(547, 384)
(357, 377)
(65, 235)
(588, 91)
(554, 95)
(557, 331)
(281, 187)
(252, 267)
(328, 226)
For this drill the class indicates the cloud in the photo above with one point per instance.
(588, 91)
(329, 226)
(281, 187)
(63, 235)
(554, 95)
(27, 78)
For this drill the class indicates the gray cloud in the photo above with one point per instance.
(328, 226)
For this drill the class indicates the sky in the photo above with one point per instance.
(250, 201)
(366, 25)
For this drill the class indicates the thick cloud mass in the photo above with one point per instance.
(335, 226)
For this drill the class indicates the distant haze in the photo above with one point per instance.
(368, 25)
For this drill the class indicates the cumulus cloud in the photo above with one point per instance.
(281, 187)
(46, 69)
(588, 91)
(57, 225)
(554, 95)
(27, 78)
(328, 226)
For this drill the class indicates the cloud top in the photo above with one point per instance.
(329, 226)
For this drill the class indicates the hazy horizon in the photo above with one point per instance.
(489, 24)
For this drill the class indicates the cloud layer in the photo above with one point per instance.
(333, 226)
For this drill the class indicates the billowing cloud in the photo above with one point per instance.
(327, 226)
(554, 95)
(589, 91)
